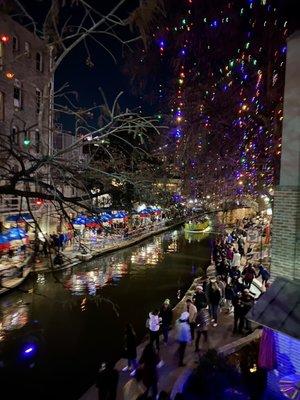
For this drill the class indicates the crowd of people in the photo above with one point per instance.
(226, 288)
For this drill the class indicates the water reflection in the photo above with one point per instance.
(13, 317)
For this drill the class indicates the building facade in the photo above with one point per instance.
(26, 90)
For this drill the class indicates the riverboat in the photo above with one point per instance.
(13, 276)
(196, 227)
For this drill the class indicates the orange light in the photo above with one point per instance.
(4, 38)
(9, 75)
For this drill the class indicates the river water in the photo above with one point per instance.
(58, 328)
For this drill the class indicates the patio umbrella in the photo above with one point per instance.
(80, 221)
(27, 217)
(290, 386)
(4, 243)
(93, 222)
(16, 234)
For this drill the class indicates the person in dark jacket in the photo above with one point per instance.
(249, 274)
(237, 313)
(264, 273)
(130, 348)
(107, 382)
(214, 298)
(166, 315)
(149, 361)
(247, 301)
(199, 298)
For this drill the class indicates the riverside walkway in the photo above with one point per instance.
(170, 374)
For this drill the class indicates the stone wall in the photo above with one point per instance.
(285, 253)
(230, 217)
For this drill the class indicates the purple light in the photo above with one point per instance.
(214, 24)
(183, 52)
(28, 350)
(283, 50)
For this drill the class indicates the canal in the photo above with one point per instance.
(57, 329)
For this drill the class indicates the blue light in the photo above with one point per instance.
(214, 24)
(183, 52)
(28, 350)
(283, 50)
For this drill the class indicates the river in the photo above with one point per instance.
(58, 328)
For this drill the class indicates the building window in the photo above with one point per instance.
(27, 49)
(2, 114)
(15, 43)
(39, 61)
(37, 140)
(15, 135)
(38, 97)
(17, 94)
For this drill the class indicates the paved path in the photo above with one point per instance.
(169, 373)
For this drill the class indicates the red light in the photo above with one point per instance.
(4, 38)
(9, 75)
(39, 202)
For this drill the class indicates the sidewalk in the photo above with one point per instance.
(71, 255)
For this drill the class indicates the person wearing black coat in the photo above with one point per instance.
(214, 298)
(166, 315)
(130, 348)
(107, 382)
(199, 298)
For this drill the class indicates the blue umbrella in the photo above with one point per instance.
(4, 242)
(119, 215)
(16, 234)
(80, 220)
(21, 216)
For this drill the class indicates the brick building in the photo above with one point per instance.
(25, 93)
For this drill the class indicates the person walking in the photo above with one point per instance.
(148, 362)
(107, 382)
(154, 325)
(247, 301)
(236, 261)
(202, 322)
(166, 315)
(130, 348)
(229, 295)
(237, 313)
(192, 310)
(249, 274)
(214, 298)
(264, 273)
(183, 335)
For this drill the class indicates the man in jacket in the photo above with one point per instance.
(192, 310)
(199, 298)
(166, 315)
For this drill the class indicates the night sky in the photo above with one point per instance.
(105, 72)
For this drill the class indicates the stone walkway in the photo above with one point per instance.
(170, 372)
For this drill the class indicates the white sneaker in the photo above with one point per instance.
(125, 368)
(215, 324)
(212, 320)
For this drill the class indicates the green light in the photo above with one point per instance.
(247, 45)
(184, 21)
(26, 142)
(231, 63)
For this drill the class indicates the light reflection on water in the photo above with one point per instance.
(78, 328)
(109, 271)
